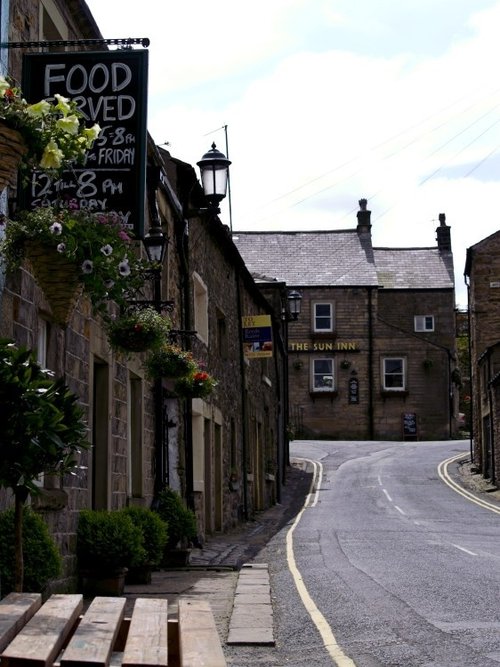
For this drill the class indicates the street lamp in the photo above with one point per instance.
(294, 303)
(214, 176)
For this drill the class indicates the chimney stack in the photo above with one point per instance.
(443, 236)
(364, 224)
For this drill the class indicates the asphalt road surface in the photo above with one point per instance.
(386, 566)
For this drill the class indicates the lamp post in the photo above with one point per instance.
(214, 176)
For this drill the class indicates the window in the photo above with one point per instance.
(200, 308)
(323, 317)
(322, 375)
(394, 374)
(424, 322)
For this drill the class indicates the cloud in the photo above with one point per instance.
(322, 105)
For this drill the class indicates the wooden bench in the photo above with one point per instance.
(56, 633)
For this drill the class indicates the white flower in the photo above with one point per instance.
(107, 250)
(124, 268)
(87, 266)
(55, 228)
(61, 247)
(108, 284)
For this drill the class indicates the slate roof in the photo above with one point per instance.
(343, 258)
(333, 258)
(414, 268)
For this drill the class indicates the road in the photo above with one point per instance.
(386, 566)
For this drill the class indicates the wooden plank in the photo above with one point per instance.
(92, 643)
(147, 641)
(40, 641)
(16, 609)
(199, 642)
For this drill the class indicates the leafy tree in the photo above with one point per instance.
(41, 431)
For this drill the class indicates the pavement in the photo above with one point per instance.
(225, 571)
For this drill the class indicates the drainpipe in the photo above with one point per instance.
(490, 418)
(183, 250)
(244, 443)
(370, 365)
(471, 411)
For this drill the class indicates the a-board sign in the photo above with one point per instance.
(409, 425)
(110, 88)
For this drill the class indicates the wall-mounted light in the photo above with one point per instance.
(294, 303)
(214, 176)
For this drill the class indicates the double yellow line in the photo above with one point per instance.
(446, 478)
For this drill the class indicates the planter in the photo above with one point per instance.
(170, 362)
(139, 575)
(58, 278)
(12, 149)
(103, 583)
(176, 557)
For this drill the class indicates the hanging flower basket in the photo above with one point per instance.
(71, 251)
(169, 361)
(138, 331)
(57, 276)
(199, 384)
(12, 149)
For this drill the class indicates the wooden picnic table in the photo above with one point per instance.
(58, 633)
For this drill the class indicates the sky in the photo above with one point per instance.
(319, 103)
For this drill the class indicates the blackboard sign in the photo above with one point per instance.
(353, 391)
(110, 88)
(409, 425)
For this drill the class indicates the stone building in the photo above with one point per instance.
(223, 453)
(372, 354)
(482, 273)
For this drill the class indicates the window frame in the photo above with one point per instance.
(403, 373)
(313, 374)
(420, 323)
(315, 317)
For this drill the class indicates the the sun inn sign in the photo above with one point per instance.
(323, 346)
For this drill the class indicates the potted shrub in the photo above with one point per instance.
(107, 544)
(169, 361)
(42, 561)
(42, 430)
(47, 136)
(154, 533)
(138, 330)
(71, 251)
(181, 522)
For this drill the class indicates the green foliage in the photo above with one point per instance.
(154, 531)
(98, 244)
(169, 361)
(41, 425)
(198, 384)
(180, 519)
(42, 561)
(107, 540)
(138, 331)
(54, 132)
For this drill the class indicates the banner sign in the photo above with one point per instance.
(110, 88)
(257, 336)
